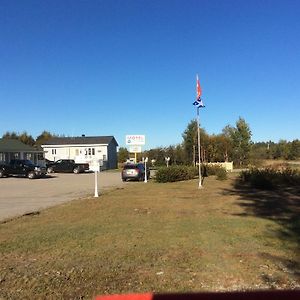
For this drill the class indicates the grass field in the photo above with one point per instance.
(154, 237)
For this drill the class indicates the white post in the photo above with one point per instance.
(199, 153)
(96, 184)
(146, 159)
(167, 161)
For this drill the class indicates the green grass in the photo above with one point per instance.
(147, 237)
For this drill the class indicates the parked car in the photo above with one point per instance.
(134, 172)
(65, 166)
(22, 167)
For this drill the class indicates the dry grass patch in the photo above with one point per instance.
(145, 237)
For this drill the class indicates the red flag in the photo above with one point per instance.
(198, 89)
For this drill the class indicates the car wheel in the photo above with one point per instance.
(76, 170)
(50, 170)
(31, 175)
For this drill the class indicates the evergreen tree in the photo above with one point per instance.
(123, 154)
(26, 139)
(43, 137)
(23, 137)
(10, 135)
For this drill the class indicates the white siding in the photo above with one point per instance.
(83, 153)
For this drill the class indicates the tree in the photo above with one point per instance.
(204, 145)
(227, 142)
(241, 141)
(158, 154)
(294, 149)
(212, 149)
(10, 135)
(190, 142)
(23, 137)
(43, 137)
(179, 155)
(26, 139)
(123, 154)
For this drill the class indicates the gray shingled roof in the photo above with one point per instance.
(81, 140)
(12, 145)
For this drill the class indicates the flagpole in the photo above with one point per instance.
(199, 104)
(199, 152)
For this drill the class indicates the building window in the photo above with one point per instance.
(104, 157)
(93, 151)
(53, 151)
(76, 152)
(90, 151)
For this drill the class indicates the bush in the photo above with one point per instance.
(209, 170)
(221, 174)
(269, 178)
(179, 173)
(175, 173)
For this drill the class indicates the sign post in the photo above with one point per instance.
(95, 166)
(135, 141)
(145, 161)
(167, 159)
(96, 185)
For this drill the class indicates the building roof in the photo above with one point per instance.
(81, 140)
(12, 145)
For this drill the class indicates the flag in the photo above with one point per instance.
(198, 101)
(198, 88)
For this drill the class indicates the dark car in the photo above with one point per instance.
(22, 167)
(134, 172)
(66, 165)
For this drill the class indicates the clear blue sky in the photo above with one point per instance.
(129, 66)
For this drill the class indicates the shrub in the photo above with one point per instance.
(219, 171)
(221, 174)
(269, 178)
(175, 173)
(211, 170)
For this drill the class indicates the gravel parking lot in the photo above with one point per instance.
(19, 196)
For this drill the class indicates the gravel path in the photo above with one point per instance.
(19, 196)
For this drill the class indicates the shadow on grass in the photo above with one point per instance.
(281, 205)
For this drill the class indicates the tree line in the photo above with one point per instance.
(27, 139)
(232, 144)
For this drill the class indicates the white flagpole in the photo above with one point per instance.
(199, 148)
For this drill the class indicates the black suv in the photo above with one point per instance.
(22, 167)
(134, 172)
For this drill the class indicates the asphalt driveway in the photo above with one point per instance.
(19, 196)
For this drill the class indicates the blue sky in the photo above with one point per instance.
(129, 67)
